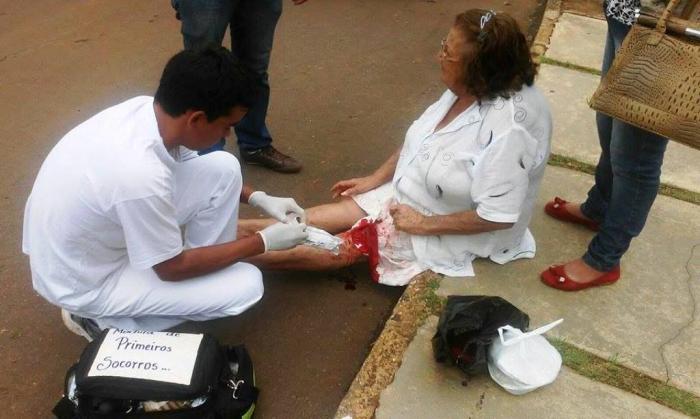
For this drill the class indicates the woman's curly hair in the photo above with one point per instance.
(501, 62)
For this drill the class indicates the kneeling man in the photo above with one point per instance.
(127, 227)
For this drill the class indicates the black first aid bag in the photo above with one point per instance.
(468, 325)
(141, 374)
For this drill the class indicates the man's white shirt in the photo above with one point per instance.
(103, 199)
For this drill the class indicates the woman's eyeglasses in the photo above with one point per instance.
(444, 55)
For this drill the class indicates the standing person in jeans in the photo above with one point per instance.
(626, 183)
(252, 24)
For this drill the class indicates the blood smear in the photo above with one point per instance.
(364, 237)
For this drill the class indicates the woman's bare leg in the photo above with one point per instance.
(334, 218)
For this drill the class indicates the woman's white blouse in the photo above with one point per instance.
(491, 159)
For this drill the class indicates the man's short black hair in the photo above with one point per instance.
(208, 79)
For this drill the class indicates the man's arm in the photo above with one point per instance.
(191, 263)
(246, 191)
(154, 240)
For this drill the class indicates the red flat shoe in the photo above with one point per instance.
(555, 277)
(556, 210)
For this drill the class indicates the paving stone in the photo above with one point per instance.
(578, 40)
(425, 389)
(575, 134)
(648, 310)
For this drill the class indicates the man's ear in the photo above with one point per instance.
(196, 118)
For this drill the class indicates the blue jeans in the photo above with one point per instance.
(252, 25)
(626, 178)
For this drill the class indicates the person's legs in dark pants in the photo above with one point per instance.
(636, 158)
(252, 25)
(599, 195)
(252, 33)
(204, 22)
(596, 205)
(627, 178)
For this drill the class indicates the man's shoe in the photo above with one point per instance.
(272, 159)
(81, 326)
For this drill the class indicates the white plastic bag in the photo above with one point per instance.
(521, 362)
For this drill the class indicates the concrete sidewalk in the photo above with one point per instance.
(643, 318)
(646, 322)
(426, 389)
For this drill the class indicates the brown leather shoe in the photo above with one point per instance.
(272, 159)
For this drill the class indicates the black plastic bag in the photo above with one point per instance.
(468, 325)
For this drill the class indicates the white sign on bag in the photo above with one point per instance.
(159, 356)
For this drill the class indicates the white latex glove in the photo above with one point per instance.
(277, 208)
(281, 236)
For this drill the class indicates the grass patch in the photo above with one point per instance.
(570, 66)
(614, 374)
(569, 163)
(680, 193)
(433, 303)
(664, 189)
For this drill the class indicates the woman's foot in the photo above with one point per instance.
(569, 212)
(577, 275)
(579, 271)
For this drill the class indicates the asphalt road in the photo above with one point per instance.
(348, 77)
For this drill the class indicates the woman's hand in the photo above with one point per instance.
(407, 219)
(358, 185)
(355, 186)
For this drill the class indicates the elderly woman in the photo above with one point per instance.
(464, 182)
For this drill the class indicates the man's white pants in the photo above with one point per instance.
(207, 196)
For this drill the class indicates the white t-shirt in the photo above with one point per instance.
(103, 199)
(491, 158)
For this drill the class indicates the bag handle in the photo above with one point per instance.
(539, 331)
(242, 384)
(661, 24)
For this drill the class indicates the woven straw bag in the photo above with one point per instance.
(654, 83)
